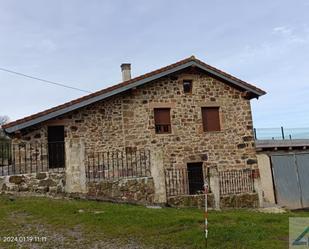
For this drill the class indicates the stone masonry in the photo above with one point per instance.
(127, 121)
(134, 190)
(38, 183)
(245, 200)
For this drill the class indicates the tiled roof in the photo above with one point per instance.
(192, 59)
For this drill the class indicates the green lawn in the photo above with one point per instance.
(86, 224)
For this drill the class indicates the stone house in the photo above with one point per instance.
(195, 115)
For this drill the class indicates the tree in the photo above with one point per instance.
(4, 119)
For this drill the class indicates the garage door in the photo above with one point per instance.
(291, 174)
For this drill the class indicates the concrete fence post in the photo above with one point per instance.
(265, 173)
(75, 166)
(215, 186)
(258, 189)
(158, 175)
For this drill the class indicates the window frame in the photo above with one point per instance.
(206, 127)
(191, 86)
(163, 127)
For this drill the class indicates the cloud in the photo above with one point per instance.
(291, 35)
(283, 30)
(282, 41)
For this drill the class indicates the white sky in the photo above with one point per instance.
(83, 43)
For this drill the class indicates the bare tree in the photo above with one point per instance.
(4, 119)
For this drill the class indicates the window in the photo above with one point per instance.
(211, 118)
(162, 119)
(187, 86)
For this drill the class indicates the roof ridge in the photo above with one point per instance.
(96, 93)
(128, 82)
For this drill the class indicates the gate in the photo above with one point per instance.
(291, 174)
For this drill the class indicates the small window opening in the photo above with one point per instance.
(131, 150)
(187, 86)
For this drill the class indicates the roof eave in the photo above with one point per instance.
(239, 84)
(92, 100)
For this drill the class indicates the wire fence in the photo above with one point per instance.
(118, 164)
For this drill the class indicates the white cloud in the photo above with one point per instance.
(284, 30)
(287, 41)
(290, 35)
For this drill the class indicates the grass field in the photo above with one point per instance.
(90, 224)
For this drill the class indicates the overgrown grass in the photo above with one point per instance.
(157, 228)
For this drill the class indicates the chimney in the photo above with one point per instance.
(126, 71)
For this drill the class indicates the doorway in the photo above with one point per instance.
(195, 177)
(56, 153)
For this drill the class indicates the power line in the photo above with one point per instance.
(46, 81)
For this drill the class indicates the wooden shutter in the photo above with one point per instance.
(162, 120)
(211, 118)
(162, 116)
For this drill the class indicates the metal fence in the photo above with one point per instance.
(236, 181)
(177, 181)
(230, 182)
(281, 133)
(25, 158)
(118, 164)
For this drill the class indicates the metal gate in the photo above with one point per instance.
(291, 174)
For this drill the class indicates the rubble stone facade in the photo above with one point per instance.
(136, 190)
(126, 121)
(47, 183)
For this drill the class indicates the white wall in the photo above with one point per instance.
(266, 178)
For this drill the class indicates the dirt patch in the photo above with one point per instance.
(272, 210)
(50, 238)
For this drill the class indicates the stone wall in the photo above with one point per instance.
(40, 183)
(127, 121)
(246, 200)
(191, 201)
(131, 190)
